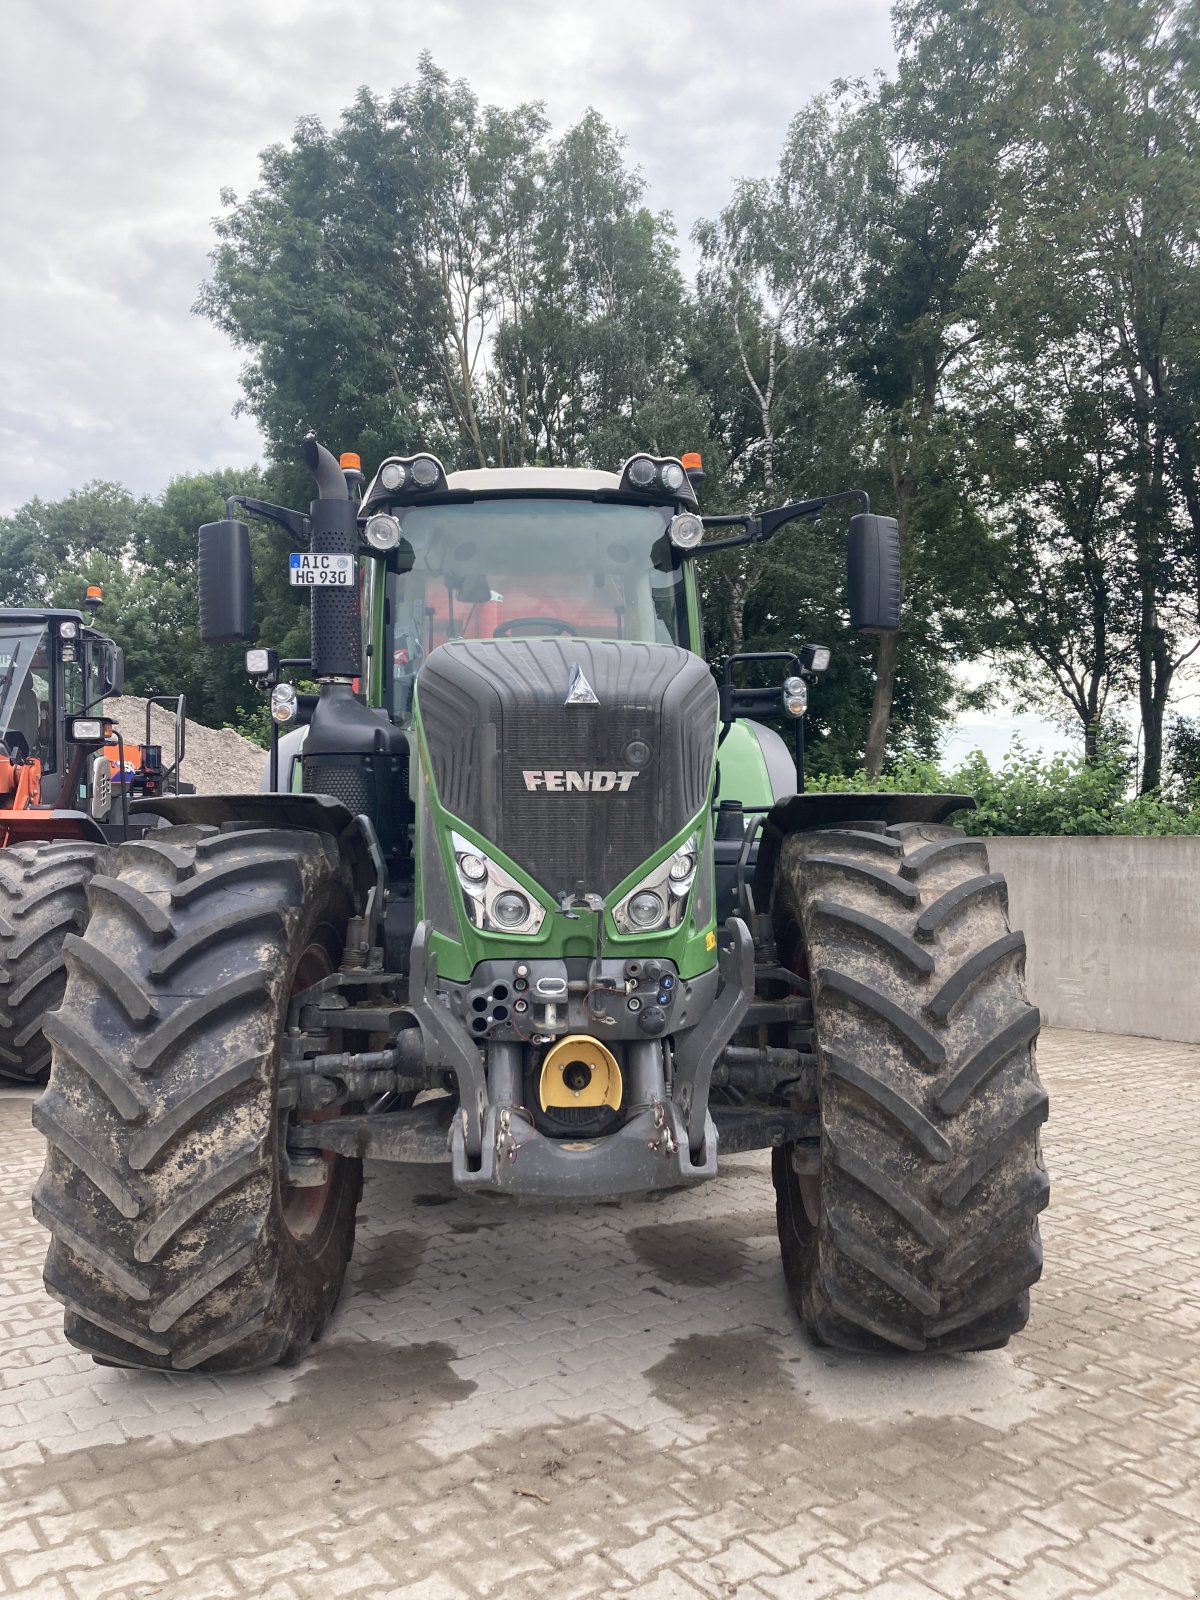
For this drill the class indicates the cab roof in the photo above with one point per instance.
(583, 480)
(35, 614)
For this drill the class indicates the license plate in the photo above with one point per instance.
(314, 570)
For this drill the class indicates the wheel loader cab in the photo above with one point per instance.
(52, 665)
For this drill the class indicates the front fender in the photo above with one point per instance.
(318, 813)
(842, 809)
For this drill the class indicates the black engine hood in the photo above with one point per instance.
(576, 793)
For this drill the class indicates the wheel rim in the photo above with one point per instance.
(304, 1205)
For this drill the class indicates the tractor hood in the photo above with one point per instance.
(577, 757)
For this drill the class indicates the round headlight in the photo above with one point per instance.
(382, 532)
(472, 867)
(795, 696)
(641, 472)
(425, 472)
(510, 909)
(673, 476)
(392, 475)
(686, 531)
(646, 909)
(284, 703)
(683, 864)
(67, 630)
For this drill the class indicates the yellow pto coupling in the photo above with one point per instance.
(580, 1071)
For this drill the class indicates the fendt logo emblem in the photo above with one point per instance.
(579, 782)
(579, 690)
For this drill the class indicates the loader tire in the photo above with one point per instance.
(174, 1241)
(921, 1231)
(43, 898)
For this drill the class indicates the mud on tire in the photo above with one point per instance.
(172, 1242)
(922, 1232)
(43, 898)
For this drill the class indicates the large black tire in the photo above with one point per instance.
(43, 898)
(921, 1233)
(173, 1243)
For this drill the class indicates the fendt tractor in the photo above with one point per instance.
(67, 777)
(549, 909)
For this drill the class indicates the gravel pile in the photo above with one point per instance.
(216, 760)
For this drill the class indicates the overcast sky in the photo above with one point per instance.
(122, 120)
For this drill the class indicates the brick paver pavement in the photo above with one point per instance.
(616, 1401)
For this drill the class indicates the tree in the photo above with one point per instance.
(439, 271)
(143, 553)
(1085, 384)
(1117, 203)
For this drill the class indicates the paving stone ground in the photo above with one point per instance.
(528, 1402)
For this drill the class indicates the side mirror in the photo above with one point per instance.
(873, 561)
(114, 668)
(226, 583)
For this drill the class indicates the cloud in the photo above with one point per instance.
(123, 120)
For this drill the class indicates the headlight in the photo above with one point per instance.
(659, 900)
(284, 703)
(495, 901)
(510, 909)
(683, 864)
(392, 475)
(673, 476)
(795, 696)
(473, 867)
(425, 472)
(382, 532)
(686, 530)
(67, 630)
(645, 909)
(641, 472)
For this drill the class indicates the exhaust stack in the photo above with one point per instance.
(336, 623)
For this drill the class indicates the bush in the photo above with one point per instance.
(1035, 794)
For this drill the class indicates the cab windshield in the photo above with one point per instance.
(26, 674)
(529, 568)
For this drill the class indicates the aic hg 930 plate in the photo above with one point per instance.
(315, 570)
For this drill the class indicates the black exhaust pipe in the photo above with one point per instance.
(336, 625)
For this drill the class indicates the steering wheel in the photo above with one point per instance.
(505, 630)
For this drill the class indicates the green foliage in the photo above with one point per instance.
(435, 272)
(1183, 759)
(1035, 794)
(143, 551)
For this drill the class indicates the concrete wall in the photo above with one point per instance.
(1113, 929)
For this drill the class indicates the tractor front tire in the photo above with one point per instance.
(920, 1232)
(175, 1240)
(43, 898)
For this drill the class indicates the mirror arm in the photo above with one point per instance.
(752, 534)
(772, 521)
(293, 522)
(765, 526)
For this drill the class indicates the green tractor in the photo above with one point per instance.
(551, 909)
